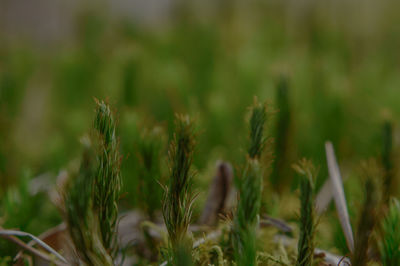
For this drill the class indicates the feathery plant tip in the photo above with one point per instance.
(250, 191)
(257, 125)
(107, 178)
(306, 243)
(179, 198)
(91, 200)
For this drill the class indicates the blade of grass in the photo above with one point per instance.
(4, 232)
(59, 228)
(324, 196)
(339, 196)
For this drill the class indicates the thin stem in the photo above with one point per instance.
(30, 249)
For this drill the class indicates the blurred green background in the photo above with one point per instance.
(205, 58)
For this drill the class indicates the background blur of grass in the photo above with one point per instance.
(341, 59)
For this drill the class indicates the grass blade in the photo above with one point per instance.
(34, 238)
(339, 196)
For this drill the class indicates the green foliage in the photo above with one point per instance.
(390, 243)
(307, 222)
(179, 197)
(247, 215)
(257, 124)
(82, 220)
(208, 67)
(250, 191)
(182, 256)
(19, 208)
(91, 200)
(107, 179)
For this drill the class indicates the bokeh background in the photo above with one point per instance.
(152, 59)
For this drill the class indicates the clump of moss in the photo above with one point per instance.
(91, 199)
(107, 179)
(247, 216)
(250, 190)
(306, 243)
(257, 126)
(82, 221)
(179, 197)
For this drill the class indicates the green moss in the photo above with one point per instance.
(306, 243)
(390, 242)
(179, 197)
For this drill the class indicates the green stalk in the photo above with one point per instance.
(246, 219)
(250, 190)
(306, 243)
(82, 220)
(107, 179)
(257, 124)
(178, 198)
(91, 200)
(182, 256)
